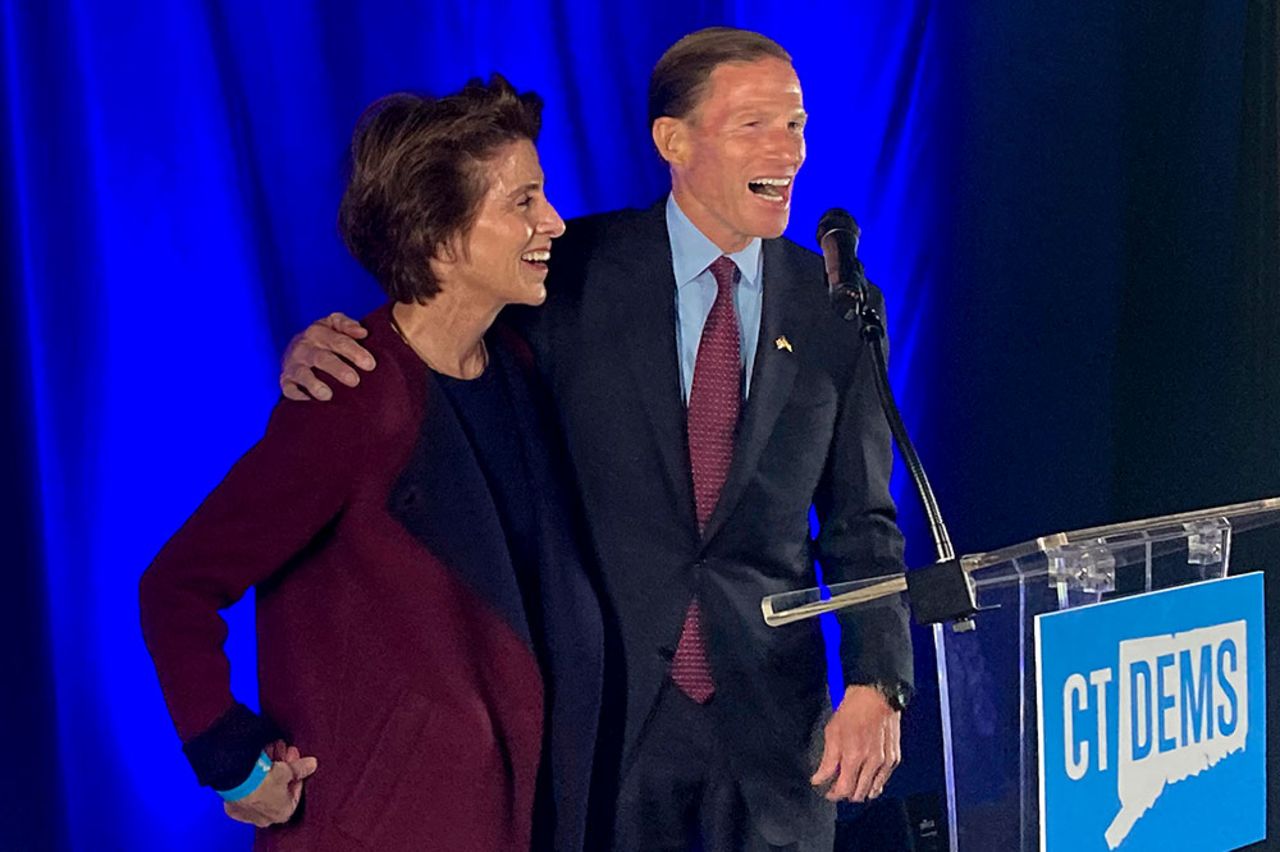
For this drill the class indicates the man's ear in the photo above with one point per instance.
(671, 138)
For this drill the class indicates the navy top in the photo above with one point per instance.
(492, 425)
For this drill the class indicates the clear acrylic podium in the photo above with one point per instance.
(986, 665)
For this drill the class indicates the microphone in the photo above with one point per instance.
(846, 279)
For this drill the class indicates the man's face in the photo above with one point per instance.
(735, 156)
(503, 257)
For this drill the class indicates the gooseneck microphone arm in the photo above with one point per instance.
(872, 332)
(942, 591)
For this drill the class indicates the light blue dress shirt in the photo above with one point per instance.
(691, 256)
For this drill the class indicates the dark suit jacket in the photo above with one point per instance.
(812, 433)
(392, 637)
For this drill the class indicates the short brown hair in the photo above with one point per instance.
(678, 80)
(416, 179)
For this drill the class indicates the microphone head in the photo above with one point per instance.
(838, 219)
(845, 277)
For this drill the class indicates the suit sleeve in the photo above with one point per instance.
(286, 489)
(858, 532)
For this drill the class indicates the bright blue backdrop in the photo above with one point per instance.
(171, 176)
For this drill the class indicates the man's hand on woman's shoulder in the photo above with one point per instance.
(328, 346)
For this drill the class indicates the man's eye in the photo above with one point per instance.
(525, 201)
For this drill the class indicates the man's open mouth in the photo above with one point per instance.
(770, 188)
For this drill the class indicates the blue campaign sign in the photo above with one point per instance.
(1152, 720)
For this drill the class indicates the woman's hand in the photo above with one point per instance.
(278, 795)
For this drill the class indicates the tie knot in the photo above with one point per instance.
(725, 272)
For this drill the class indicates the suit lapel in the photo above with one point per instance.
(772, 376)
(645, 305)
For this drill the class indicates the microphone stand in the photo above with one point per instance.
(940, 592)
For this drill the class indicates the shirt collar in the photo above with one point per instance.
(692, 252)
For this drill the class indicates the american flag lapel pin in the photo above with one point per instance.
(782, 343)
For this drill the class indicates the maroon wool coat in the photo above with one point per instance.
(392, 638)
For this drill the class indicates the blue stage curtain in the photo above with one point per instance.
(169, 178)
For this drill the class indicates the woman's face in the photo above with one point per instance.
(504, 256)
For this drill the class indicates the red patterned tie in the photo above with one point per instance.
(714, 402)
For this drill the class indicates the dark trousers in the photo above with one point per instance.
(680, 794)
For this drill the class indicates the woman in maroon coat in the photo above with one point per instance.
(429, 645)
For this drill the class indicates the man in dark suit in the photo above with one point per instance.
(709, 397)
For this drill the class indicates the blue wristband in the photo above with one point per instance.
(253, 782)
